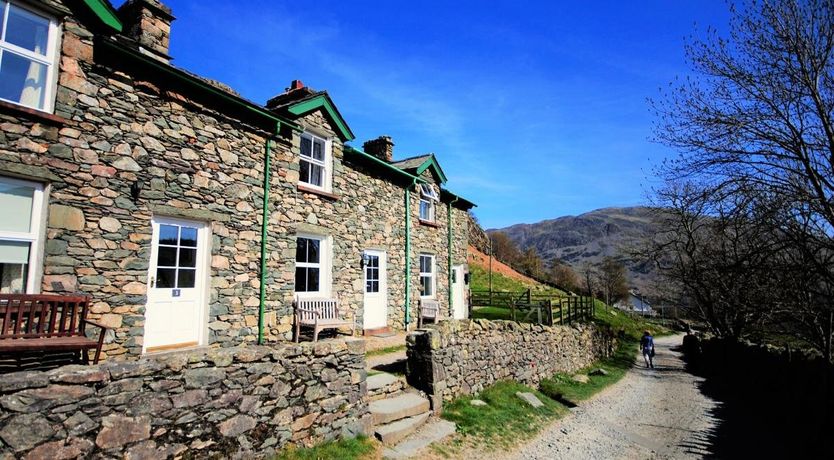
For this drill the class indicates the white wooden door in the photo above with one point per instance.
(459, 310)
(376, 290)
(176, 308)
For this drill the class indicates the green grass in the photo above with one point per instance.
(491, 313)
(562, 387)
(631, 325)
(343, 449)
(385, 351)
(505, 419)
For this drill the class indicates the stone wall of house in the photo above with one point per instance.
(365, 211)
(463, 357)
(190, 162)
(118, 126)
(247, 400)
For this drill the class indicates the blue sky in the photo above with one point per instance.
(533, 112)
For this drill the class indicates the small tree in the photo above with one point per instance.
(613, 280)
(564, 276)
(504, 249)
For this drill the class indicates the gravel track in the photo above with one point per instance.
(650, 413)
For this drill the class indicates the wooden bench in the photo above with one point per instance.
(47, 322)
(320, 314)
(429, 309)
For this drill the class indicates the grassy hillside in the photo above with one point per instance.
(631, 325)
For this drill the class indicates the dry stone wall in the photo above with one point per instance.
(247, 400)
(463, 357)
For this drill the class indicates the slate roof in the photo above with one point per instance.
(411, 162)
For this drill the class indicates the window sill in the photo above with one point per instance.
(315, 191)
(429, 223)
(38, 115)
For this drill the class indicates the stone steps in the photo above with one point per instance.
(397, 407)
(433, 431)
(384, 385)
(394, 432)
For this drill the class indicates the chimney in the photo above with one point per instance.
(149, 23)
(382, 147)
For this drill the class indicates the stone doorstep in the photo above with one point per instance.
(396, 408)
(433, 431)
(394, 432)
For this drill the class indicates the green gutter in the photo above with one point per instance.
(105, 13)
(264, 233)
(197, 84)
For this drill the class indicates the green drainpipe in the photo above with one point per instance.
(264, 225)
(449, 240)
(408, 251)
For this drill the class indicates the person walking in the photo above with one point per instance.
(647, 347)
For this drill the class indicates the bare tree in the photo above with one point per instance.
(752, 241)
(613, 280)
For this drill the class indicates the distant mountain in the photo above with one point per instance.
(590, 237)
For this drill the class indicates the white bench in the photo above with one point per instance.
(429, 309)
(320, 314)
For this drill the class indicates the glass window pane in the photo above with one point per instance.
(188, 257)
(312, 279)
(186, 278)
(166, 257)
(424, 210)
(368, 285)
(318, 149)
(16, 202)
(375, 286)
(27, 30)
(301, 250)
(374, 261)
(313, 251)
(13, 278)
(165, 277)
(306, 146)
(316, 175)
(188, 237)
(304, 172)
(14, 252)
(168, 234)
(22, 80)
(425, 283)
(300, 279)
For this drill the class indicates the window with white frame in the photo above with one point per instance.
(427, 199)
(427, 278)
(311, 265)
(315, 161)
(20, 238)
(28, 53)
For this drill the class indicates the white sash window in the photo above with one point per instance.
(28, 51)
(19, 234)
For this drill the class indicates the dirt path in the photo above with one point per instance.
(650, 413)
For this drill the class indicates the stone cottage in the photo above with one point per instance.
(191, 215)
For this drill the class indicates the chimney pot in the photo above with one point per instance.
(149, 23)
(382, 147)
